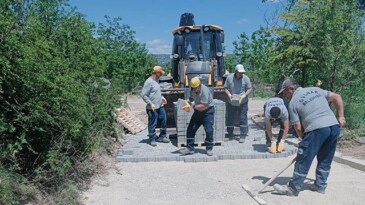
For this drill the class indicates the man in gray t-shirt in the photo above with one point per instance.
(275, 111)
(151, 94)
(239, 84)
(309, 107)
(202, 100)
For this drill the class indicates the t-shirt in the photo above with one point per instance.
(151, 93)
(310, 105)
(276, 102)
(237, 86)
(202, 96)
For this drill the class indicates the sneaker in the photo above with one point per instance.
(242, 140)
(284, 190)
(314, 187)
(163, 139)
(186, 151)
(153, 143)
(210, 152)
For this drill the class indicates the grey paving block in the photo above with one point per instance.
(136, 148)
(127, 151)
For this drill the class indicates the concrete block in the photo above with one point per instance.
(127, 151)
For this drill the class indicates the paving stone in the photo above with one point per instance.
(137, 149)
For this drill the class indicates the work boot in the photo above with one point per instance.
(230, 136)
(242, 139)
(210, 152)
(186, 151)
(163, 139)
(153, 143)
(284, 190)
(314, 187)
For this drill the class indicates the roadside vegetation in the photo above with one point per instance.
(61, 77)
(311, 41)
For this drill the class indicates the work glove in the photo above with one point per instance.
(186, 107)
(272, 148)
(241, 97)
(153, 107)
(281, 146)
(230, 97)
(164, 101)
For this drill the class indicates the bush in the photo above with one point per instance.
(58, 87)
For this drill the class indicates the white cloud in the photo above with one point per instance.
(242, 21)
(156, 46)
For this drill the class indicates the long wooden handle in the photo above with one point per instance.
(274, 177)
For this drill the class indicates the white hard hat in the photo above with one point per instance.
(239, 68)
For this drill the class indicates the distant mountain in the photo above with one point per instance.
(163, 59)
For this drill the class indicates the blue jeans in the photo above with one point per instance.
(232, 111)
(159, 115)
(321, 143)
(205, 118)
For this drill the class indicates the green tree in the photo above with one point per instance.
(326, 42)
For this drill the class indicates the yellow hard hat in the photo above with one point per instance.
(195, 82)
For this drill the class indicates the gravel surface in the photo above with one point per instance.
(217, 183)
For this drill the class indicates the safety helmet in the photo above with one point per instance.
(195, 82)
(158, 69)
(239, 68)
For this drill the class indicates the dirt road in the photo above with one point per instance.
(216, 182)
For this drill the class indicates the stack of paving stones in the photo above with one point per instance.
(182, 120)
(138, 149)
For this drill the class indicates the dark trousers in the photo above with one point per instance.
(321, 143)
(205, 118)
(159, 115)
(232, 111)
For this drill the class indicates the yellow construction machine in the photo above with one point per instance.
(196, 51)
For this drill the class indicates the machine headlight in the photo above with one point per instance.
(187, 30)
(175, 55)
(206, 28)
(219, 54)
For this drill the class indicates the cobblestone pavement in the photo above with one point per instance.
(137, 149)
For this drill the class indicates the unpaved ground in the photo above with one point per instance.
(215, 182)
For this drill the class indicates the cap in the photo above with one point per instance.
(158, 69)
(286, 84)
(239, 68)
(195, 82)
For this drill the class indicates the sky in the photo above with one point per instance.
(154, 20)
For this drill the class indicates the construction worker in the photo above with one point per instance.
(275, 111)
(317, 126)
(201, 99)
(237, 84)
(151, 94)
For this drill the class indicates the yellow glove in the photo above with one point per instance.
(272, 149)
(186, 107)
(153, 107)
(281, 147)
(164, 101)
